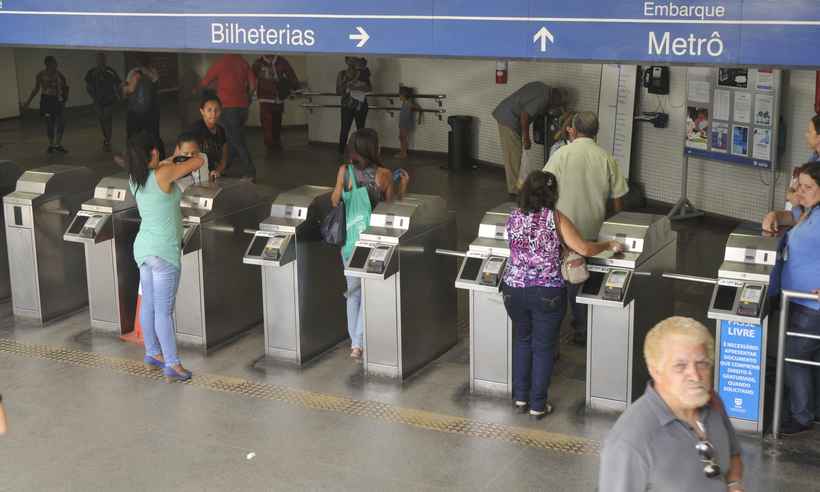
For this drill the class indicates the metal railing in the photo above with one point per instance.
(786, 297)
(390, 109)
(439, 98)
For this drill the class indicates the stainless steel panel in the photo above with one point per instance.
(126, 227)
(381, 325)
(9, 174)
(609, 353)
(490, 343)
(102, 298)
(189, 303)
(23, 271)
(281, 321)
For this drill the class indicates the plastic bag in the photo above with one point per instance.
(357, 216)
(333, 227)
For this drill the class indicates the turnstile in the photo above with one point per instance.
(481, 274)
(739, 308)
(9, 174)
(47, 274)
(302, 282)
(627, 295)
(107, 226)
(409, 302)
(218, 296)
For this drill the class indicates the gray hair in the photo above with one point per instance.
(688, 328)
(586, 123)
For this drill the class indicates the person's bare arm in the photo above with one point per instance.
(617, 204)
(573, 239)
(735, 474)
(384, 180)
(524, 120)
(336, 196)
(773, 221)
(222, 164)
(167, 172)
(33, 91)
(130, 85)
(3, 427)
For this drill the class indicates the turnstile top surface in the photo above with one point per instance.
(742, 247)
(208, 201)
(302, 196)
(51, 180)
(408, 214)
(111, 195)
(642, 235)
(504, 209)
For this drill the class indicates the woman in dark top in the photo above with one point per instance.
(211, 135)
(368, 172)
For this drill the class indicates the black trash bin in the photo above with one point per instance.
(459, 144)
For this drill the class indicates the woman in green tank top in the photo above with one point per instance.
(157, 248)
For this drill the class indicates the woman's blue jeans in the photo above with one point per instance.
(803, 381)
(159, 280)
(355, 313)
(536, 314)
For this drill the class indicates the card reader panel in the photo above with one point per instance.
(615, 285)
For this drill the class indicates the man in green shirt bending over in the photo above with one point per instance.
(588, 177)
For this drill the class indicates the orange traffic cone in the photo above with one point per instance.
(135, 336)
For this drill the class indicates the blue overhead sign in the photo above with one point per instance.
(727, 32)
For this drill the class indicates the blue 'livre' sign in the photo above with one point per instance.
(728, 32)
(739, 368)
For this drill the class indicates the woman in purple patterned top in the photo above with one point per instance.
(533, 288)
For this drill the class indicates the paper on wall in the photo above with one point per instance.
(722, 102)
(762, 148)
(765, 79)
(764, 109)
(743, 107)
(699, 91)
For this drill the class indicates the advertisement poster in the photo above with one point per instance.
(765, 79)
(739, 369)
(743, 107)
(722, 102)
(733, 77)
(697, 127)
(762, 148)
(764, 109)
(699, 91)
(720, 137)
(740, 141)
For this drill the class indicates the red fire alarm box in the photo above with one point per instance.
(502, 69)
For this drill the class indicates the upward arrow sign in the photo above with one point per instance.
(543, 36)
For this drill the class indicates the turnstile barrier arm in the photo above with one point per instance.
(786, 297)
(450, 252)
(690, 278)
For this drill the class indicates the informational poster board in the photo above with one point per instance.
(616, 112)
(740, 368)
(732, 115)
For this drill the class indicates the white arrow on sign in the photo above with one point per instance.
(543, 35)
(362, 37)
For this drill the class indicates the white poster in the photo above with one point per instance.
(764, 109)
(743, 107)
(762, 144)
(722, 102)
(765, 79)
(699, 91)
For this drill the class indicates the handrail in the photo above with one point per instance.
(450, 252)
(787, 296)
(373, 94)
(377, 108)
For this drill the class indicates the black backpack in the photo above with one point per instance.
(144, 97)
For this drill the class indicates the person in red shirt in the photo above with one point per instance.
(235, 81)
(276, 79)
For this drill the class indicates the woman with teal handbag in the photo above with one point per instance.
(361, 183)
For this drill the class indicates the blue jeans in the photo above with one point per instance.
(802, 380)
(233, 120)
(159, 280)
(355, 313)
(536, 314)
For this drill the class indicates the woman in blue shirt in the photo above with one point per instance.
(157, 248)
(801, 272)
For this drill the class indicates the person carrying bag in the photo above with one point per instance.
(357, 213)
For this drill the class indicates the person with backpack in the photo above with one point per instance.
(140, 88)
(361, 183)
(275, 80)
(102, 83)
(53, 98)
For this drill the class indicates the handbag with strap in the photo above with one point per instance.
(357, 212)
(573, 266)
(334, 228)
